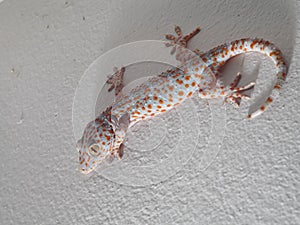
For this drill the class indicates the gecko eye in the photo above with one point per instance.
(94, 150)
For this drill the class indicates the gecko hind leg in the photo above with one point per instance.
(235, 99)
(236, 96)
(231, 95)
(116, 80)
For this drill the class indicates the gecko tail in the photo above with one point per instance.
(269, 49)
(219, 55)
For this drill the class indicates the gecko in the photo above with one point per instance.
(103, 137)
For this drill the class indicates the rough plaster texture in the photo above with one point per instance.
(45, 48)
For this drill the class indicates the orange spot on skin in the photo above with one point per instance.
(204, 60)
(252, 44)
(103, 143)
(147, 91)
(262, 108)
(170, 100)
(249, 116)
(155, 97)
(143, 108)
(186, 85)
(152, 114)
(187, 77)
(107, 137)
(149, 106)
(161, 101)
(136, 98)
(149, 110)
(193, 84)
(180, 93)
(232, 47)
(270, 100)
(143, 117)
(190, 94)
(196, 69)
(277, 86)
(159, 107)
(163, 110)
(171, 88)
(179, 81)
(169, 105)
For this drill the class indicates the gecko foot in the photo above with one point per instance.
(180, 39)
(231, 94)
(116, 80)
(236, 95)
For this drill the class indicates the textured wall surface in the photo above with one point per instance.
(45, 47)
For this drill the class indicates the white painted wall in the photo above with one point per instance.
(45, 47)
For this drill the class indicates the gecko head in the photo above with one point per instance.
(96, 144)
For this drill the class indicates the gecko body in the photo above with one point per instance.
(103, 137)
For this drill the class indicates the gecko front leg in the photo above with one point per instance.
(120, 128)
(180, 43)
(116, 80)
